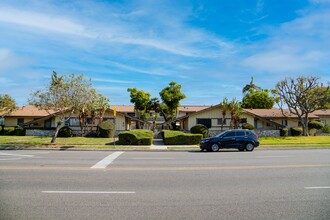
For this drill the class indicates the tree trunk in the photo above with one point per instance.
(56, 133)
(304, 123)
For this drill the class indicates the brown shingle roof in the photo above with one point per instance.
(30, 111)
(275, 113)
(183, 108)
(325, 112)
(192, 108)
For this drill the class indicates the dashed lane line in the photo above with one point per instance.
(88, 192)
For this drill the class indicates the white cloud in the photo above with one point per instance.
(172, 36)
(299, 46)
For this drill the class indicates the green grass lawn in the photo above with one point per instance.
(107, 143)
(310, 140)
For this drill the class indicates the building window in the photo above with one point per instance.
(205, 121)
(219, 121)
(72, 122)
(20, 121)
(285, 122)
(243, 120)
(299, 124)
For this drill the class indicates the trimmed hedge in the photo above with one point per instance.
(200, 129)
(296, 131)
(315, 125)
(284, 132)
(65, 132)
(12, 131)
(136, 137)
(180, 138)
(247, 126)
(107, 129)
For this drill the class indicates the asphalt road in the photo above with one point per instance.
(264, 184)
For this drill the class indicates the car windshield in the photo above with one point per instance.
(222, 133)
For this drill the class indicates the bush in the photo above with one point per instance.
(284, 132)
(178, 137)
(326, 129)
(19, 131)
(136, 137)
(8, 131)
(315, 125)
(297, 131)
(107, 129)
(247, 126)
(200, 129)
(65, 132)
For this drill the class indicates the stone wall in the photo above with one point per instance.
(261, 133)
(38, 132)
(268, 133)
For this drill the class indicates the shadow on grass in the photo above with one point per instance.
(113, 143)
(66, 147)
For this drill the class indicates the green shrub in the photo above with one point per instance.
(65, 132)
(136, 137)
(180, 138)
(315, 125)
(247, 126)
(8, 131)
(107, 129)
(284, 132)
(200, 129)
(326, 129)
(19, 131)
(296, 131)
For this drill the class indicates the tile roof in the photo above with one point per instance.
(192, 108)
(274, 113)
(183, 108)
(325, 112)
(30, 111)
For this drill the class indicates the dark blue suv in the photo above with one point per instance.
(239, 139)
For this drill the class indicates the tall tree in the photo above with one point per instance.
(65, 94)
(250, 87)
(7, 105)
(140, 99)
(171, 96)
(302, 96)
(225, 105)
(261, 99)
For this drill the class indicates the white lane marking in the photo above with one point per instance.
(272, 156)
(318, 187)
(16, 155)
(107, 160)
(89, 192)
(152, 158)
(12, 159)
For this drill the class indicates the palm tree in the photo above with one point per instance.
(235, 112)
(225, 106)
(250, 86)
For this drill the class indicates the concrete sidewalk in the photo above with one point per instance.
(158, 144)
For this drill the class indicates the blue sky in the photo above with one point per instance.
(210, 47)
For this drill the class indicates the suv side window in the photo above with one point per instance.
(240, 133)
(230, 134)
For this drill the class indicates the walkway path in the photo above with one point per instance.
(158, 144)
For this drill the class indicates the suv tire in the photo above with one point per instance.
(215, 147)
(249, 147)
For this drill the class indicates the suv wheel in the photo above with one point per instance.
(249, 147)
(215, 147)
